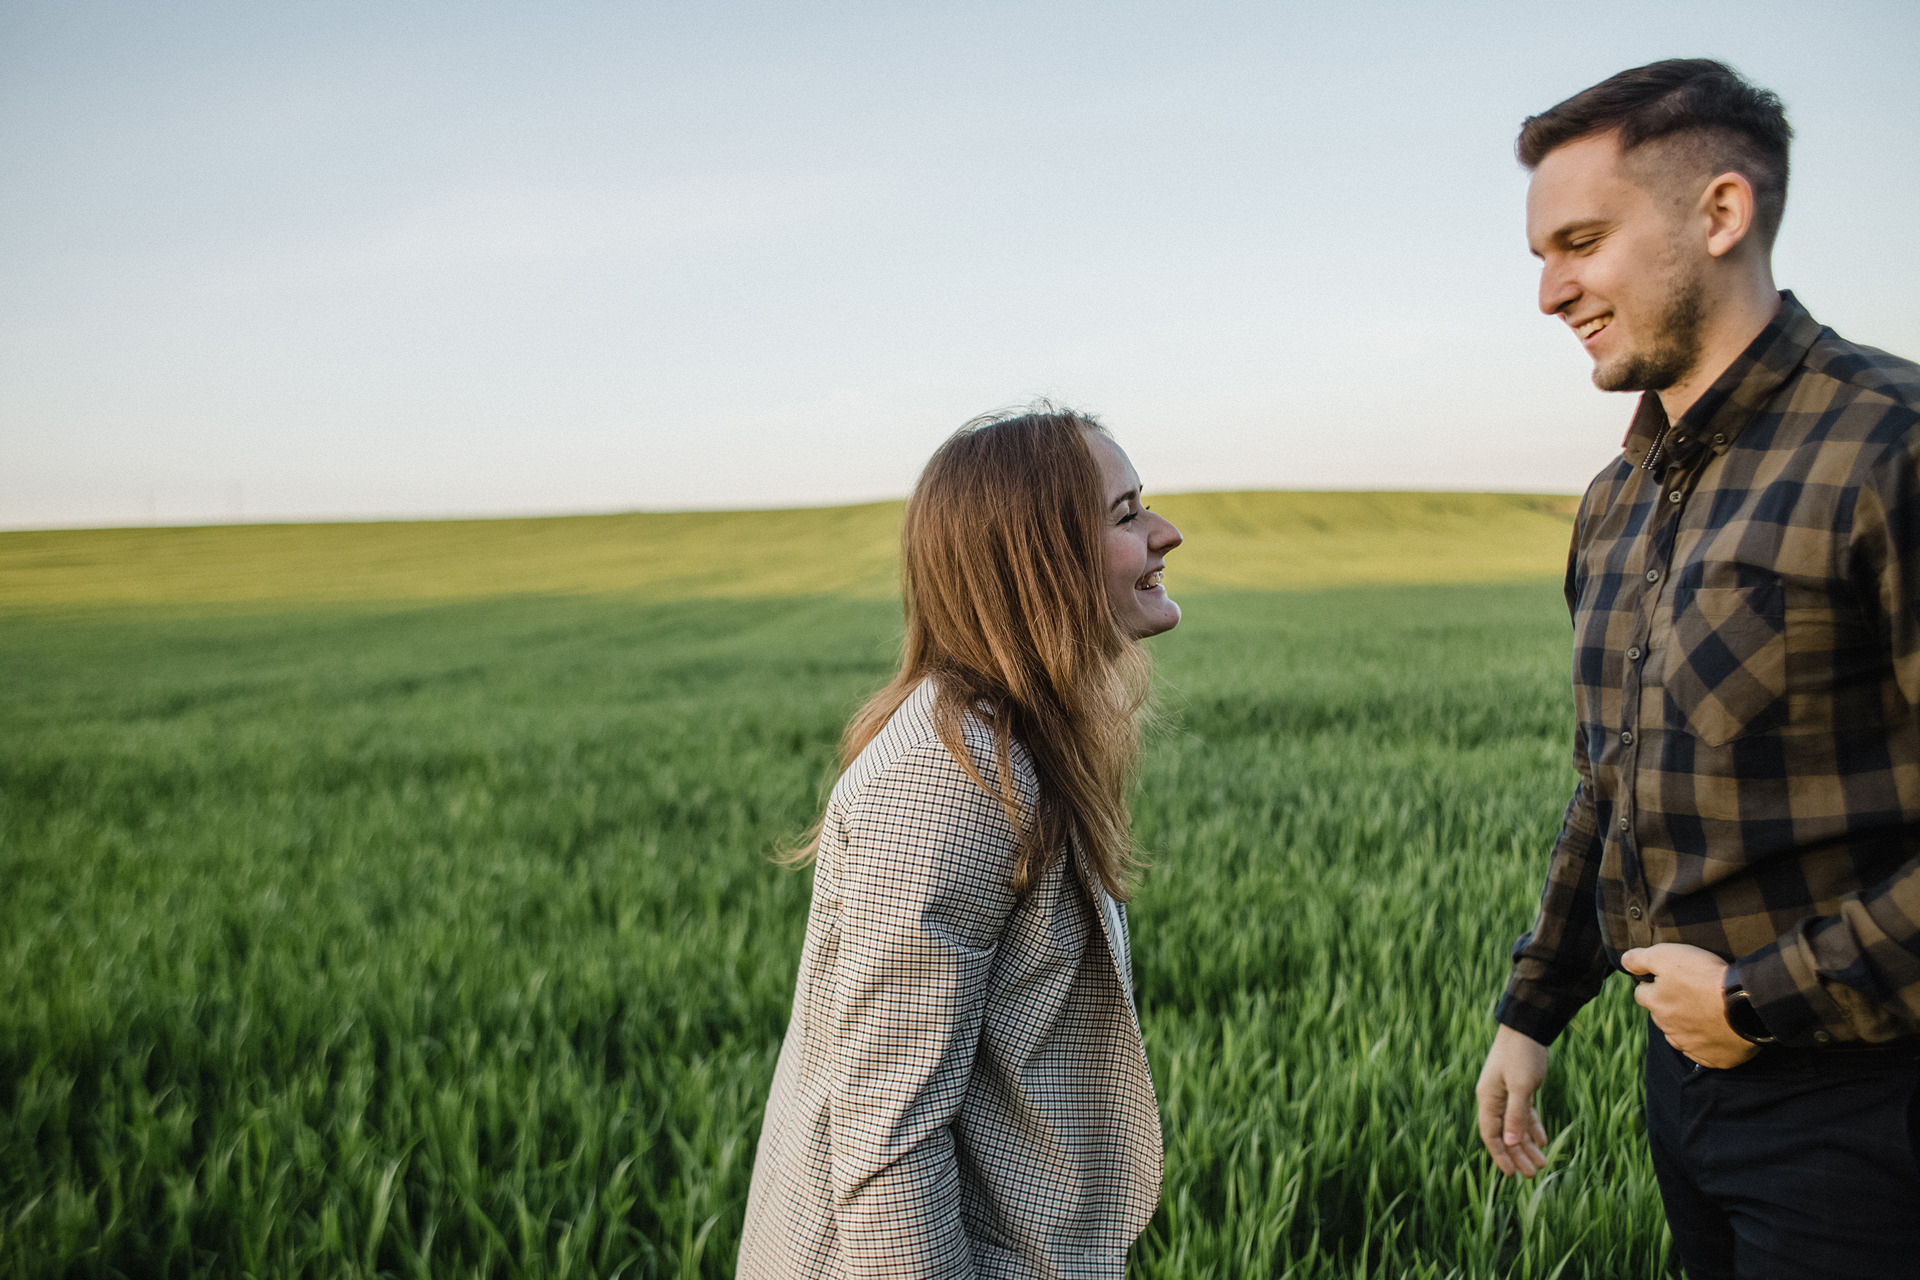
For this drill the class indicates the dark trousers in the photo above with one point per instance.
(1798, 1163)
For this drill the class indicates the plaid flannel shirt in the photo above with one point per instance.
(1745, 590)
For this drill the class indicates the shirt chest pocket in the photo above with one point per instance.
(1727, 673)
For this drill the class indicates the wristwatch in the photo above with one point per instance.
(1741, 1015)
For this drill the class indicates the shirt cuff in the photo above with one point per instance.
(1532, 1015)
(1792, 1005)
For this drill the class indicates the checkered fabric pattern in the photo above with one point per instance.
(963, 1090)
(1745, 589)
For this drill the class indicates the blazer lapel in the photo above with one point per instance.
(1149, 1146)
(1113, 925)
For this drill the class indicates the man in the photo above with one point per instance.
(1745, 589)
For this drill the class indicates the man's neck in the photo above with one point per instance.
(1736, 322)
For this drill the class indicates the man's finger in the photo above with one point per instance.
(1533, 1136)
(1635, 961)
(1532, 1149)
(1491, 1104)
(1516, 1131)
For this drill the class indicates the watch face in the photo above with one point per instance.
(1745, 1019)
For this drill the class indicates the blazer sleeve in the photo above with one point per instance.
(927, 864)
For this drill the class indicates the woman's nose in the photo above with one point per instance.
(1166, 537)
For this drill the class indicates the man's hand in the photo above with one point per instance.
(1688, 1002)
(1509, 1122)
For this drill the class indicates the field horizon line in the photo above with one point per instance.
(1248, 539)
(475, 517)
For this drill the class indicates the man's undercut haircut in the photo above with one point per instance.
(1714, 120)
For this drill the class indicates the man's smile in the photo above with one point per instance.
(1587, 328)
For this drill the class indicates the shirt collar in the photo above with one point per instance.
(1736, 395)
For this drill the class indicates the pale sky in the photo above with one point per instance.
(346, 260)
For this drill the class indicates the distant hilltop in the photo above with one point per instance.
(1251, 541)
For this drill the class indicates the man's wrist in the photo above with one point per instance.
(1740, 1013)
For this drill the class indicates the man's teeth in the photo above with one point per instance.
(1593, 326)
(1149, 582)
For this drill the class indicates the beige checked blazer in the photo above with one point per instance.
(963, 1091)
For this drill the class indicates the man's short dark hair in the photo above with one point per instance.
(1726, 122)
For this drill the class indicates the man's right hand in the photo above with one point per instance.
(1509, 1122)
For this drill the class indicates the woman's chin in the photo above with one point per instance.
(1155, 617)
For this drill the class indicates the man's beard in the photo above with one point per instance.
(1676, 345)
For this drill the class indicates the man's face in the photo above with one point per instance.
(1615, 265)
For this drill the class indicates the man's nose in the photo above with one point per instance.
(1557, 290)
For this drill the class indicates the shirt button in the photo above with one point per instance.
(1633, 654)
(1821, 1037)
(1626, 737)
(1720, 439)
(1653, 575)
(1633, 912)
(1625, 822)
(1674, 496)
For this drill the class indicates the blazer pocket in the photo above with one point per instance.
(1728, 677)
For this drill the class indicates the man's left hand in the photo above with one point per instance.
(1688, 1001)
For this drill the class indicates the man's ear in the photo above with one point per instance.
(1727, 205)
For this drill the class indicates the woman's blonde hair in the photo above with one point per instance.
(1006, 607)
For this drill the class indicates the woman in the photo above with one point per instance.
(963, 1091)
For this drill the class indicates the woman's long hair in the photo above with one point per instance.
(1006, 602)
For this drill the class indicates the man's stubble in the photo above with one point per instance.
(1678, 338)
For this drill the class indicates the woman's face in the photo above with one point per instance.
(1137, 546)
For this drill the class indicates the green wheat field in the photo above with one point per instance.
(395, 900)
